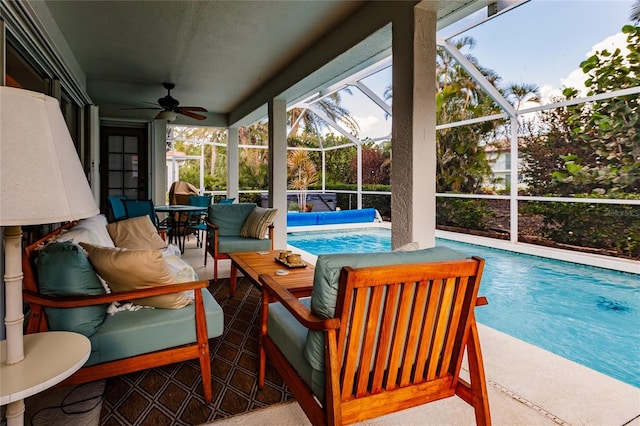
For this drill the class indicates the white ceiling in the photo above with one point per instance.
(218, 53)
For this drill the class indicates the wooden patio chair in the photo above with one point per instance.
(396, 340)
(224, 228)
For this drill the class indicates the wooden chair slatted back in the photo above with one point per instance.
(404, 325)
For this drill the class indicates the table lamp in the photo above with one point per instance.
(41, 182)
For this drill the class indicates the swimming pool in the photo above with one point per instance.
(586, 314)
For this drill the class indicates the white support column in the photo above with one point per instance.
(278, 168)
(201, 169)
(513, 192)
(94, 149)
(413, 201)
(157, 177)
(324, 170)
(3, 76)
(3, 54)
(233, 174)
(359, 176)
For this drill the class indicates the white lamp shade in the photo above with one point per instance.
(41, 178)
(166, 115)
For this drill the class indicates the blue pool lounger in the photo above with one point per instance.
(332, 217)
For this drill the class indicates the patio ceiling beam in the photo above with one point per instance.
(352, 80)
(493, 9)
(360, 41)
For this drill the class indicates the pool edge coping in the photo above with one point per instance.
(589, 259)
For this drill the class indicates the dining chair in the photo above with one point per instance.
(116, 207)
(136, 208)
(196, 219)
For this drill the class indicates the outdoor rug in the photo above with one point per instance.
(172, 395)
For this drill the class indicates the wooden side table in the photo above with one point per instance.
(49, 358)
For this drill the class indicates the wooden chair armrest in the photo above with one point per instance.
(482, 301)
(270, 230)
(307, 318)
(210, 224)
(77, 301)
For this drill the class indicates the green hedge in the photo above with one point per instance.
(601, 226)
(463, 213)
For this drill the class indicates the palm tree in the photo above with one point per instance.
(303, 174)
(520, 93)
(635, 12)
(253, 161)
(302, 120)
(462, 161)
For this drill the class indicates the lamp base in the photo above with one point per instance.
(14, 317)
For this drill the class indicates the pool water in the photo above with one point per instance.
(586, 314)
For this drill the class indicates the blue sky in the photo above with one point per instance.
(543, 41)
(540, 42)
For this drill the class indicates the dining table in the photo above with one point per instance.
(178, 220)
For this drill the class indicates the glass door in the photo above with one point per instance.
(123, 165)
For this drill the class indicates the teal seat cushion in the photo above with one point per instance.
(130, 333)
(229, 217)
(235, 244)
(326, 282)
(64, 270)
(289, 336)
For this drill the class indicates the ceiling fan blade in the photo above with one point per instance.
(191, 108)
(191, 114)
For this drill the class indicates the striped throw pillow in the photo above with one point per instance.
(256, 224)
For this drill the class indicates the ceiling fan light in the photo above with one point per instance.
(167, 116)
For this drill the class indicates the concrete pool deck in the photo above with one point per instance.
(527, 386)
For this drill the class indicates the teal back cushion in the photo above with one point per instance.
(226, 201)
(64, 270)
(327, 279)
(230, 217)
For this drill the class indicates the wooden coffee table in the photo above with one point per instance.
(299, 281)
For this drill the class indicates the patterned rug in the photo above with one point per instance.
(172, 395)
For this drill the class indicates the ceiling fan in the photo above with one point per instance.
(170, 107)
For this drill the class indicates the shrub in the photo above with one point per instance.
(463, 213)
(601, 226)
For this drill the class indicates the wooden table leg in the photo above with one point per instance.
(262, 355)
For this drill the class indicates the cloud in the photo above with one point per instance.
(576, 78)
(366, 123)
(548, 92)
(372, 127)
